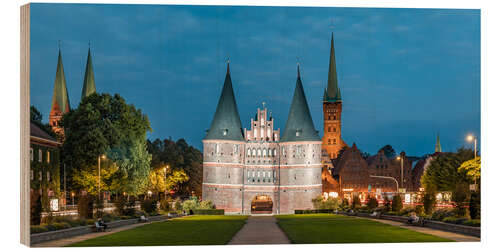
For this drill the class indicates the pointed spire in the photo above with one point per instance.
(226, 124)
(438, 144)
(332, 93)
(60, 99)
(299, 126)
(88, 80)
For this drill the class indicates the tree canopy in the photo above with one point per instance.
(106, 125)
(443, 173)
(471, 168)
(389, 151)
(178, 156)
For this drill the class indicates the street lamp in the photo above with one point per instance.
(73, 198)
(400, 159)
(471, 138)
(99, 174)
(165, 169)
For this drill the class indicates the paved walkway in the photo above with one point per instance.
(260, 230)
(74, 239)
(427, 230)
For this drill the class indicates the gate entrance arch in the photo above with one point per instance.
(262, 204)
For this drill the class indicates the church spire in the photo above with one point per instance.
(88, 80)
(60, 99)
(226, 124)
(299, 126)
(438, 144)
(332, 91)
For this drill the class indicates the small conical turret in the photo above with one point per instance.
(299, 126)
(226, 124)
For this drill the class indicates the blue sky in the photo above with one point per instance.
(405, 74)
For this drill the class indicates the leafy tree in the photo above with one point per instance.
(397, 203)
(161, 180)
(472, 169)
(206, 205)
(106, 125)
(389, 151)
(442, 174)
(35, 208)
(179, 156)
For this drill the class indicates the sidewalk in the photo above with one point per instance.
(260, 230)
(427, 230)
(71, 240)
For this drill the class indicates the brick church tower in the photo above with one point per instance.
(332, 114)
(60, 100)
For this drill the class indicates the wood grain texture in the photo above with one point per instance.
(25, 131)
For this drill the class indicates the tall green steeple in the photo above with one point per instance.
(60, 99)
(88, 80)
(226, 124)
(332, 91)
(299, 126)
(438, 144)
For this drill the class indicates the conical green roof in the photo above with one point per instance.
(60, 99)
(226, 124)
(299, 126)
(438, 144)
(88, 80)
(332, 91)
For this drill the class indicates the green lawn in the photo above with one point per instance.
(192, 230)
(330, 228)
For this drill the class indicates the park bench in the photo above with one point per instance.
(99, 228)
(143, 219)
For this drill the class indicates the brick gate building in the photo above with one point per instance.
(257, 170)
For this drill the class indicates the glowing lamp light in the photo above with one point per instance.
(470, 138)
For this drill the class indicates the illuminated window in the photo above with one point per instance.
(48, 156)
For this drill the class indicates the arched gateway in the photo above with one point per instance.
(262, 204)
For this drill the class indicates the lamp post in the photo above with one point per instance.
(73, 198)
(99, 174)
(400, 159)
(471, 138)
(165, 169)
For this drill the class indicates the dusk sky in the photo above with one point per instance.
(404, 74)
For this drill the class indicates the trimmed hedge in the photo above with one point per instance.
(314, 211)
(472, 223)
(209, 211)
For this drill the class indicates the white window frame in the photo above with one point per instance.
(40, 155)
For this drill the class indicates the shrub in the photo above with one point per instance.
(61, 225)
(397, 203)
(38, 229)
(165, 205)
(209, 211)
(473, 223)
(440, 214)
(314, 211)
(450, 220)
(35, 208)
(429, 201)
(86, 207)
(149, 206)
(475, 205)
(372, 203)
(204, 205)
(177, 204)
(189, 205)
(459, 198)
(392, 213)
(419, 210)
(356, 202)
(406, 211)
(89, 221)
